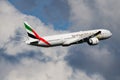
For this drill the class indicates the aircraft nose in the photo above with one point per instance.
(109, 33)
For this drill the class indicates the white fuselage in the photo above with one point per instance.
(72, 38)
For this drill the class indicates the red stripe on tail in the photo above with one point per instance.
(37, 36)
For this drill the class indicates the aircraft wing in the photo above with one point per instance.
(77, 39)
(95, 34)
(68, 42)
(91, 36)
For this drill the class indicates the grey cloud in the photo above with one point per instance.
(100, 14)
(15, 59)
(93, 60)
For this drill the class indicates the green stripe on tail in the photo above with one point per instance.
(27, 27)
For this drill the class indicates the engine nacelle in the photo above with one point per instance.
(93, 41)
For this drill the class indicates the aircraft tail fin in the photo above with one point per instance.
(31, 33)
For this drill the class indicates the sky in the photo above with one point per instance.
(19, 61)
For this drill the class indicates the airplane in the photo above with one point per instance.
(92, 37)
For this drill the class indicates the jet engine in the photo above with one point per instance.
(93, 41)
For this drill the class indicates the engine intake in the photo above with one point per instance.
(93, 41)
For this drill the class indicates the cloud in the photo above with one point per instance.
(103, 58)
(11, 23)
(33, 69)
(87, 14)
(31, 62)
(80, 15)
(81, 75)
(42, 71)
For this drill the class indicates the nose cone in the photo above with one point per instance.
(108, 33)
